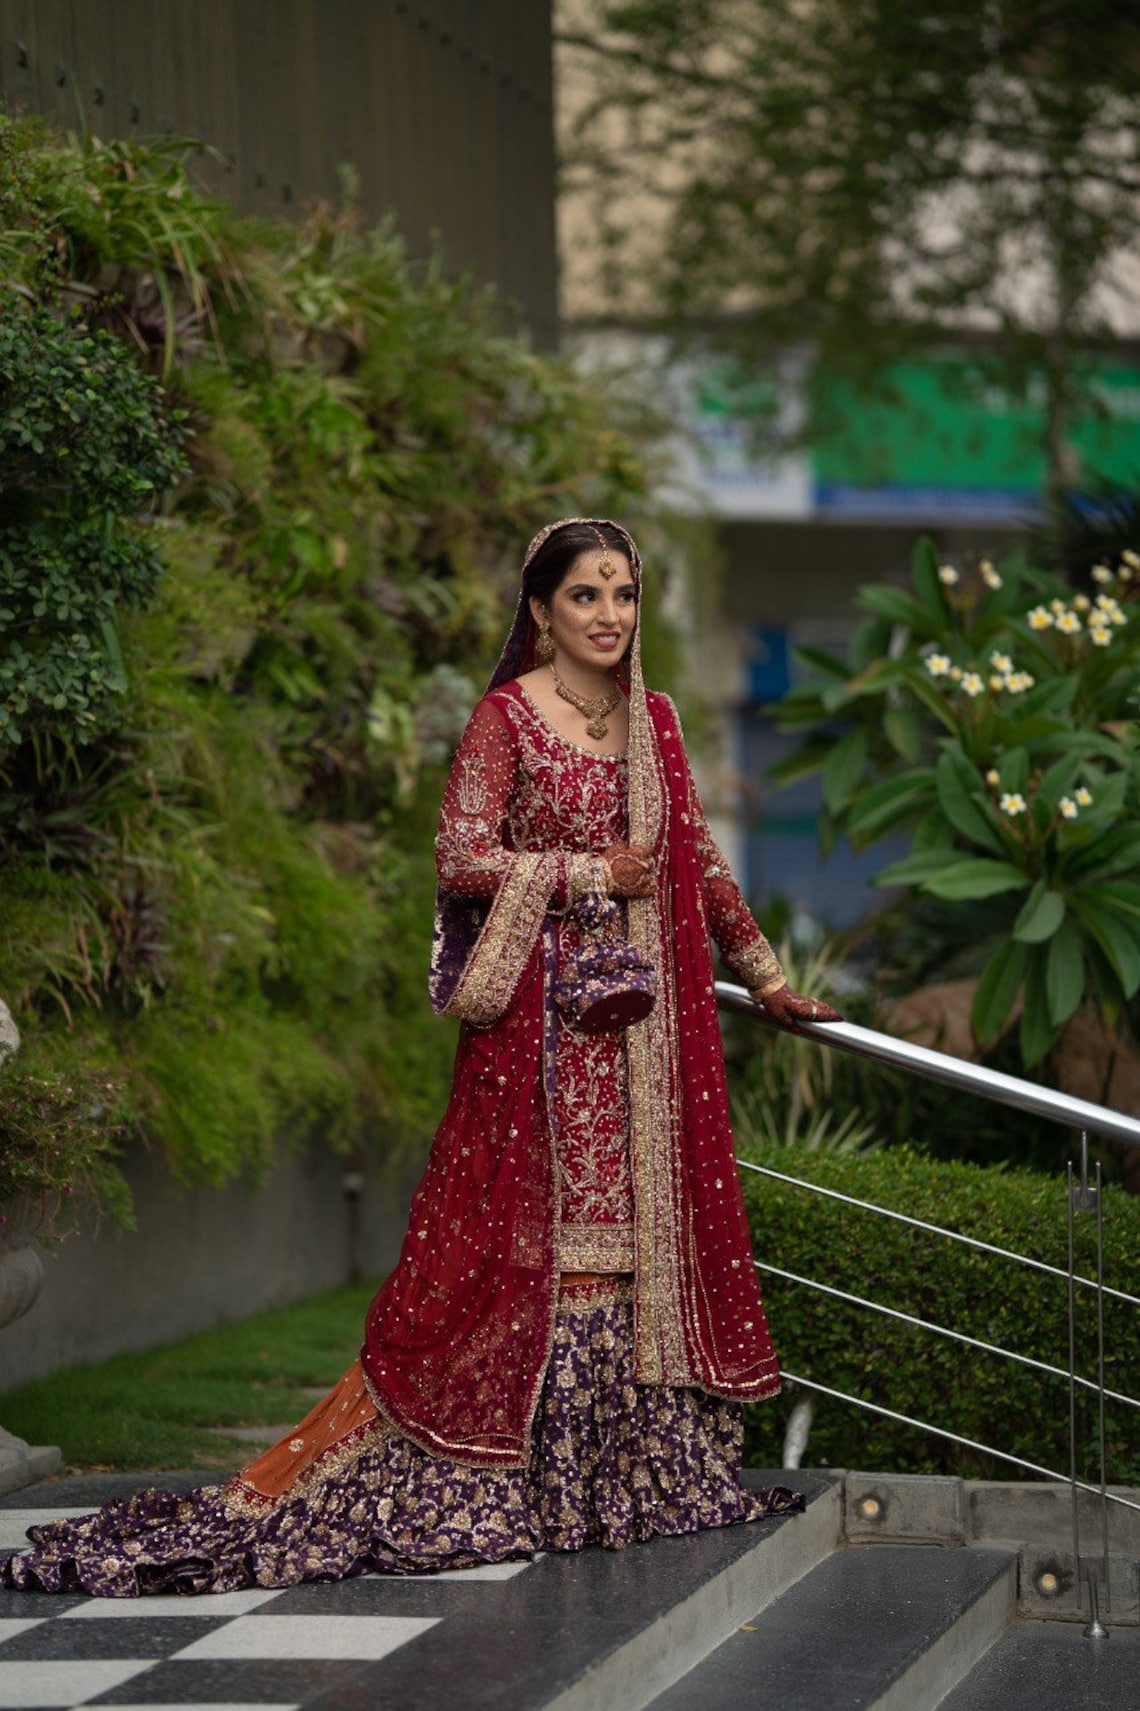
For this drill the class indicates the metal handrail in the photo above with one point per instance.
(951, 1071)
(1003, 1089)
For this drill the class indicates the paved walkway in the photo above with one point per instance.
(497, 1638)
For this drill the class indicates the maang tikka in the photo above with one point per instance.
(607, 568)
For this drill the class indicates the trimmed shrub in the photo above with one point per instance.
(918, 1373)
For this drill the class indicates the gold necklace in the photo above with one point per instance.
(595, 711)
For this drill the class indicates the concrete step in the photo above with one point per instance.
(1050, 1666)
(872, 1628)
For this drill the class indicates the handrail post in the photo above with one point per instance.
(1084, 1196)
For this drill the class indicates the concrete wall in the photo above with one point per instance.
(201, 1258)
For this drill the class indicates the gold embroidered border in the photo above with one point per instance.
(594, 1247)
(489, 981)
(243, 1499)
(602, 1292)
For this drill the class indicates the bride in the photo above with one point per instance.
(561, 1354)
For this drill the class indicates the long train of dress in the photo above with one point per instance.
(613, 1462)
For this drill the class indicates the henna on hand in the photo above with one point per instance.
(631, 866)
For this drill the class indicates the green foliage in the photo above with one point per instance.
(224, 900)
(83, 451)
(918, 1373)
(790, 1092)
(168, 1407)
(992, 716)
(59, 1136)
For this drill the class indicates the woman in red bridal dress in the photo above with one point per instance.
(561, 1354)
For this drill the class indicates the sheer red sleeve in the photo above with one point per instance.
(471, 857)
(743, 947)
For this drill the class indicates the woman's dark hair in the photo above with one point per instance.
(547, 570)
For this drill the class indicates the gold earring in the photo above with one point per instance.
(544, 646)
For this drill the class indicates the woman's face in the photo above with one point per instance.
(592, 613)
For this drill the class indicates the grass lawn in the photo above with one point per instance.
(149, 1410)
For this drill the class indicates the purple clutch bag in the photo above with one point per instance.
(606, 984)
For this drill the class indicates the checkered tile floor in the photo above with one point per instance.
(269, 1649)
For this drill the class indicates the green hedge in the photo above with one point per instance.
(917, 1373)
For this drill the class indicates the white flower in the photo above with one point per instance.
(1099, 635)
(1068, 807)
(1068, 623)
(1101, 573)
(973, 684)
(1001, 662)
(1107, 603)
(1080, 602)
(1056, 605)
(947, 575)
(938, 664)
(1018, 682)
(993, 776)
(1084, 796)
(1040, 618)
(997, 681)
(1131, 558)
(988, 574)
(1012, 803)
(956, 673)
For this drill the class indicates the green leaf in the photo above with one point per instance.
(1040, 916)
(889, 804)
(997, 990)
(844, 769)
(1036, 1032)
(1119, 852)
(829, 664)
(920, 865)
(1064, 974)
(895, 606)
(975, 877)
(924, 574)
(958, 782)
(903, 730)
(1116, 933)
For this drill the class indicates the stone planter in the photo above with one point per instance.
(21, 1274)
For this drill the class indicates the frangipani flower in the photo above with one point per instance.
(1100, 635)
(1013, 803)
(1056, 605)
(1101, 573)
(1068, 807)
(1040, 618)
(973, 684)
(1080, 602)
(938, 664)
(997, 681)
(1001, 662)
(1068, 623)
(1084, 796)
(1019, 681)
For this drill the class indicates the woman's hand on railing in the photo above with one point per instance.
(787, 1008)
